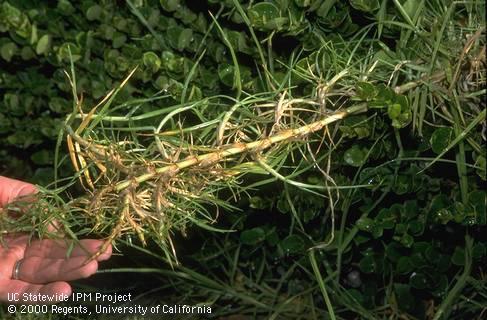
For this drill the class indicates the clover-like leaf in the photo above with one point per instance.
(151, 61)
(252, 236)
(8, 50)
(226, 74)
(43, 44)
(355, 156)
(68, 51)
(404, 265)
(368, 264)
(365, 5)
(458, 257)
(441, 139)
(366, 91)
(94, 12)
(419, 280)
(403, 294)
(292, 244)
(365, 224)
(263, 14)
(170, 5)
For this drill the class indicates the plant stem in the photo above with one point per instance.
(321, 283)
(238, 148)
(444, 308)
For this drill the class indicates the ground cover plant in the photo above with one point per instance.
(282, 159)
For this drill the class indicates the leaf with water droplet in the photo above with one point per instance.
(262, 14)
(355, 156)
(418, 280)
(440, 139)
(151, 61)
(368, 264)
(170, 5)
(225, 73)
(365, 224)
(292, 244)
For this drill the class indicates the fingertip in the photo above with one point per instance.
(106, 254)
(11, 189)
(60, 288)
(95, 246)
(88, 269)
(26, 189)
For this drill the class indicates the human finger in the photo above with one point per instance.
(41, 270)
(11, 189)
(59, 249)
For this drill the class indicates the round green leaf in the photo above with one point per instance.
(368, 264)
(63, 53)
(172, 35)
(44, 176)
(393, 251)
(65, 7)
(292, 244)
(59, 105)
(418, 280)
(365, 224)
(443, 263)
(418, 261)
(94, 12)
(404, 265)
(225, 73)
(43, 44)
(170, 5)
(272, 238)
(259, 203)
(361, 238)
(366, 91)
(151, 61)
(440, 139)
(42, 157)
(27, 53)
(261, 14)
(8, 50)
(172, 62)
(118, 40)
(441, 287)
(252, 236)
(458, 257)
(365, 5)
(185, 38)
(355, 156)
(403, 294)
(394, 110)
(416, 227)
(407, 240)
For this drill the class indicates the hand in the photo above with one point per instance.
(44, 266)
